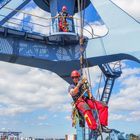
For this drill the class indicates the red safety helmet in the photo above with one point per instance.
(75, 73)
(64, 8)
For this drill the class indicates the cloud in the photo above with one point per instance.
(95, 30)
(43, 124)
(129, 72)
(130, 117)
(68, 118)
(24, 89)
(45, 24)
(16, 21)
(90, 29)
(128, 95)
(134, 116)
(34, 21)
(130, 6)
(43, 117)
(115, 116)
(128, 98)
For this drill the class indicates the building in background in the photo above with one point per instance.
(9, 135)
(70, 137)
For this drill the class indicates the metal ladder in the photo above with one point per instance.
(111, 75)
(107, 90)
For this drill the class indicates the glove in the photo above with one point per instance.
(81, 82)
(84, 80)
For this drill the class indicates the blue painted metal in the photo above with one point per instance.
(3, 3)
(109, 83)
(117, 135)
(34, 51)
(46, 4)
(80, 132)
(14, 4)
(40, 47)
(111, 75)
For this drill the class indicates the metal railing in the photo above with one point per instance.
(3, 3)
(46, 26)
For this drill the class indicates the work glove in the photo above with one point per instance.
(81, 82)
(84, 80)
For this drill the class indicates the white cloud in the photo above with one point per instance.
(36, 24)
(90, 30)
(43, 124)
(134, 116)
(68, 118)
(16, 20)
(125, 105)
(129, 72)
(43, 117)
(41, 21)
(94, 31)
(130, 6)
(130, 117)
(129, 95)
(24, 89)
(115, 116)
(94, 73)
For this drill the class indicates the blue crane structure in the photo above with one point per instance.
(59, 51)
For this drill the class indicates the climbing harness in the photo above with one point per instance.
(63, 25)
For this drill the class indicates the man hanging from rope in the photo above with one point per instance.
(85, 104)
(62, 19)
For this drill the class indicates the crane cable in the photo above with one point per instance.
(83, 52)
(81, 5)
(89, 77)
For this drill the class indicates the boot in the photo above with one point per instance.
(106, 130)
(98, 133)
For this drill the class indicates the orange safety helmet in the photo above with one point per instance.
(75, 73)
(64, 8)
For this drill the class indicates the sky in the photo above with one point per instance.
(130, 6)
(36, 101)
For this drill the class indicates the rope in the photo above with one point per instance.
(98, 92)
(100, 129)
(21, 11)
(82, 63)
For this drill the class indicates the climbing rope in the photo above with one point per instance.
(98, 92)
(89, 77)
(83, 57)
